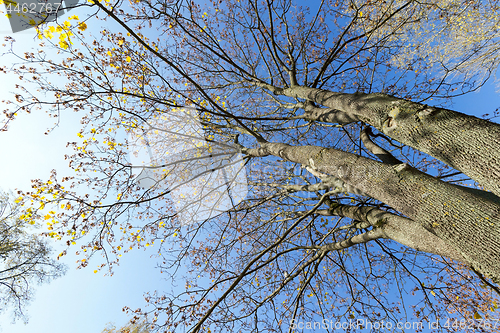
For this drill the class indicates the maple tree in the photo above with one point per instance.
(354, 186)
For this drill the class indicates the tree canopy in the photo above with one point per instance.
(298, 162)
(457, 39)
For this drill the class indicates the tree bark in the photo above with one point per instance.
(400, 229)
(466, 143)
(466, 221)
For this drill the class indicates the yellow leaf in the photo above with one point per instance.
(82, 26)
(433, 293)
(477, 316)
(63, 44)
(128, 59)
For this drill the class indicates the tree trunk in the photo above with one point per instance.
(465, 220)
(466, 143)
(400, 229)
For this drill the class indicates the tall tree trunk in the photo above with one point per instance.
(465, 220)
(400, 229)
(466, 143)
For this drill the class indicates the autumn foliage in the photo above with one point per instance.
(303, 244)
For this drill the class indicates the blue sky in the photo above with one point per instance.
(82, 301)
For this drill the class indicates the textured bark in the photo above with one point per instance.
(334, 182)
(464, 220)
(400, 229)
(328, 115)
(355, 240)
(466, 143)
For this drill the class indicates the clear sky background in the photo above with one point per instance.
(81, 301)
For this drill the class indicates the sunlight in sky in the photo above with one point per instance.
(80, 300)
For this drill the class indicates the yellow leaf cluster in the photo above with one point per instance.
(82, 26)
